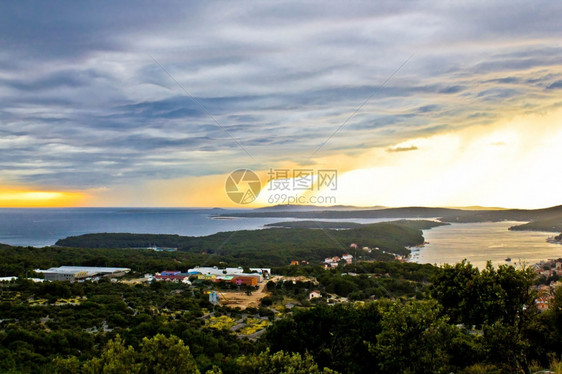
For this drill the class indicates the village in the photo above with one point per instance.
(246, 287)
(549, 274)
(246, 300)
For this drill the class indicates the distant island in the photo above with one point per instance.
(548, 219)
(315, 225)
(418, 224)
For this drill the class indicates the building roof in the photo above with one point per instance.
(216, 271)
(91, 270)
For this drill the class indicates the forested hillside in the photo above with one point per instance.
(458, 320)
(274, 246)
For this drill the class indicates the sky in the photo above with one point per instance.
(433, 103)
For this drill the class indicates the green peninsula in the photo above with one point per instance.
(275, 246)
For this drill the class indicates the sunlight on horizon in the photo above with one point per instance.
(39, 199)
(512, 163)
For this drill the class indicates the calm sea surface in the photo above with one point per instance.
(42, 227)
(477, 242)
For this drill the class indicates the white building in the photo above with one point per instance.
(74, 273)
(260, 272)
(314, 295)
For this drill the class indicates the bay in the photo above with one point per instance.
(480, 242)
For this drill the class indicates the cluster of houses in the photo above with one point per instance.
(162, 249)
(544, 297)
(333, 262)
(366, 249)
(214, 274)
(547, 269)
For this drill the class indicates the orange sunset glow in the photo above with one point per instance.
(11, 198)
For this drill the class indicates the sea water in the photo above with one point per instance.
(477, 242)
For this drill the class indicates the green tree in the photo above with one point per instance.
(69, 365)
(414, 339)
(453, 287)
(336, 335)
(162, 355)
(506, 347)
(116, 358)
(475, 298)
(157, 355)
(279, 363)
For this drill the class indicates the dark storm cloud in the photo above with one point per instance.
(60, 79)
(452, 89)
(428, 108)
(506, 80)
(84, 104)
(67, 29)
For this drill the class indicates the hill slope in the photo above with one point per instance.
(274, 246)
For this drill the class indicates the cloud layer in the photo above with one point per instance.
(85, 105)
